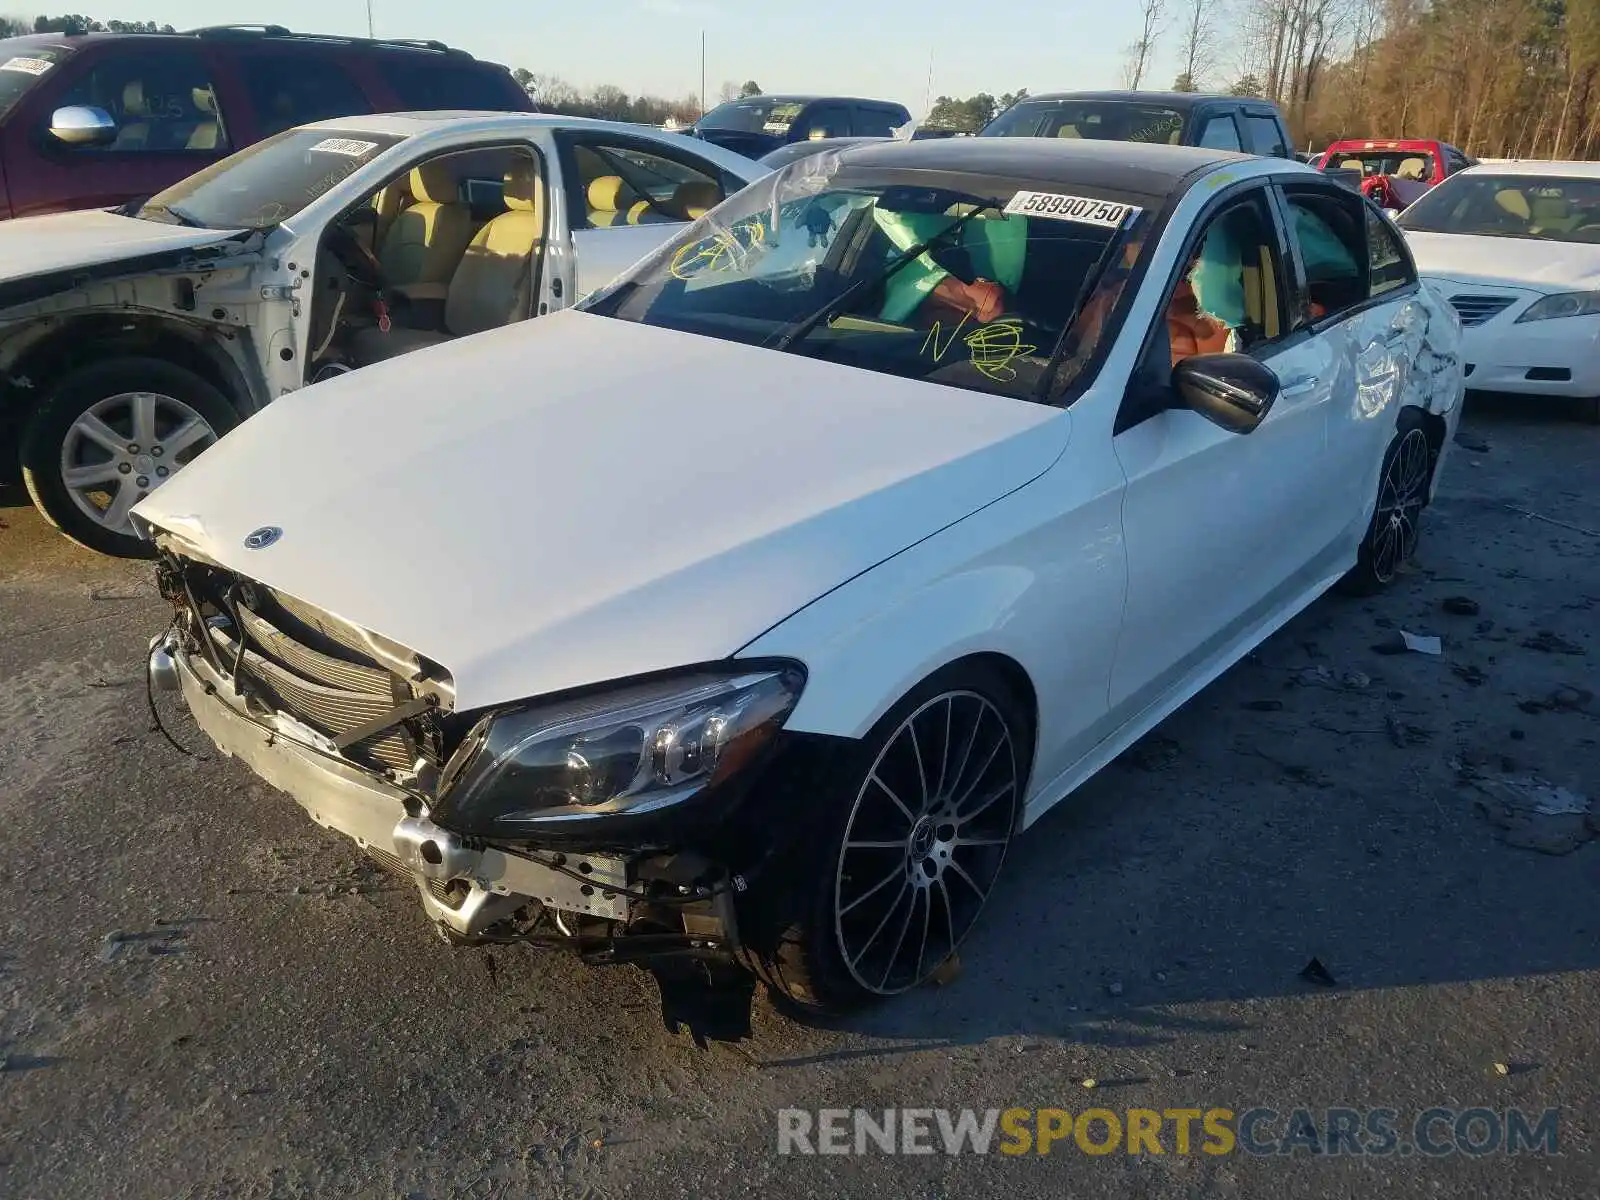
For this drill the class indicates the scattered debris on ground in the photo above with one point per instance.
(1460, 606)
(1315, 972)
(1549, 642)
(1532, 814)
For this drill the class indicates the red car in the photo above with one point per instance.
(95, 120)
(1395, 171)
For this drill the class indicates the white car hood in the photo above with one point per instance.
(1513, 262)
(577, 499)
(32, 246)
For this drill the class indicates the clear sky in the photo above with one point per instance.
(874, 48)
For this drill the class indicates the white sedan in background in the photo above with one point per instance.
(131, 340)
(751, 610)
(1515, 247)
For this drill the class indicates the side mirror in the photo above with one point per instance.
(1230, 390)
(83, 125)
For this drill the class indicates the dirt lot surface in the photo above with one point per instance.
(202, 994)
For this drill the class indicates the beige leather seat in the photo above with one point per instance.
(424, 244)
(133, 128)
(207, 135)
(694, 199)
(1514, 202)
(613, 202)
(389, 203)
(492, 286)
(1412, 168)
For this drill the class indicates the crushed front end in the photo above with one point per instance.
(624, 823)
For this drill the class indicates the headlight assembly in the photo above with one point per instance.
(1563, 304)
(635, 750)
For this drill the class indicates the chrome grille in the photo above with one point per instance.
(1475, 310)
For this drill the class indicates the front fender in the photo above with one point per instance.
(1039, 577)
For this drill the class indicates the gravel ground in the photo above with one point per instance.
(202, 994)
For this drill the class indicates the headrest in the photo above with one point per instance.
(522, 185)
(1352, 164)
(1549, 206)
(1411, 168)
(696, 197)
(606, 193)
(205, 100)
(133, 97)
(434, 183)
(1514, 202)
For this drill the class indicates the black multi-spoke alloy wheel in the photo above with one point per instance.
(1403, 486)
(918, 823)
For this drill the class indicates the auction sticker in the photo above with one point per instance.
(1105, 213)
(28, 66)
(344, 146)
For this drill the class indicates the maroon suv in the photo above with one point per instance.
(94, 120)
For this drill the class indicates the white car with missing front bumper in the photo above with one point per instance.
(754, 624)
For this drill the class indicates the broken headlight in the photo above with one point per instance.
(634, 750)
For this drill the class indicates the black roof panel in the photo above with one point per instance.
(1149, 170)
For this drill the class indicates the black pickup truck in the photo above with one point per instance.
(1240, 123)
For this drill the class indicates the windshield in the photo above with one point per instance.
(1102, 120)
(269, 182)
(23, 64)
(1515, 206)
(756, 114)
(953, 279)
(1403, 164)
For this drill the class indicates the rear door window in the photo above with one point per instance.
(160, 96)
(873, 120)
(287, 90)
(423, 84)
(823, 120)
(1266, 135)
(1219, 133)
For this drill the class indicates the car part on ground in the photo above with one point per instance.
(792, 712)
(305, 256)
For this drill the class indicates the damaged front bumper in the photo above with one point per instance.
(466, 887)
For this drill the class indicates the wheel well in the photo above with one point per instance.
(91, 339)
(1021, 685)
(1432, 426)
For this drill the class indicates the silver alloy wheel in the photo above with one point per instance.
(124, 447)
(1401, 495)
(925, 841)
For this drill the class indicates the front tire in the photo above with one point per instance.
(108, 435)
(919, 823)
(1392, 534)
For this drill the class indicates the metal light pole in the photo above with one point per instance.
(369, 18)
(702, 72)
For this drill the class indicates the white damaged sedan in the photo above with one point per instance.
(749, 612)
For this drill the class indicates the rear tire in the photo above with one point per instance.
(1392, 534)
(919, 821)
(116, 430)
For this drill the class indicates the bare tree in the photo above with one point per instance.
(1195, 55)
(1151, 18)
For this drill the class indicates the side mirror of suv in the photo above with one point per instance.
(83, 125)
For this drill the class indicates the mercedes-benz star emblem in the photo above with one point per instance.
(260, 539)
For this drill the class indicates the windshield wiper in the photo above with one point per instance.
(833, 307)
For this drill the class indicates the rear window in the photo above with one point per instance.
(1406, 164)
(23, 64)
(1101, 120)
(422, 84)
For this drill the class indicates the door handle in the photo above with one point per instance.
(1300, 384)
